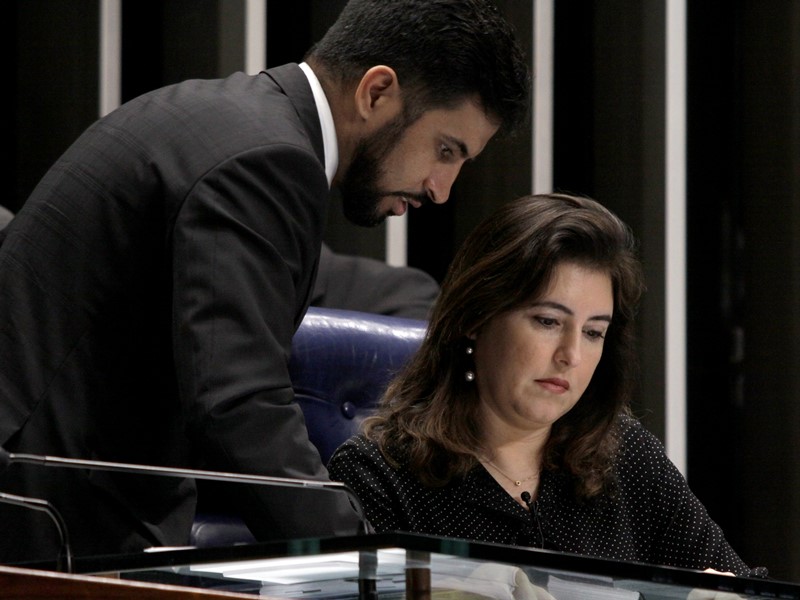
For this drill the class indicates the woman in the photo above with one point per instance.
(512, 422)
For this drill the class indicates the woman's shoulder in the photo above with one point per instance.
(355, 455)
(631, 431)
(359, 449)
(637, 443)
(641, 452)
(356, 445)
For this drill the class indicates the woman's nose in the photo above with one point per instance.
(569, 351)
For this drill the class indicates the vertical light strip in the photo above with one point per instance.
(542, 121)
(110, 75)
(675, 234)
(397, 241)
(255, 36)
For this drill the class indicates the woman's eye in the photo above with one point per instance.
(445, 151)
(546, 321)
(595, 334)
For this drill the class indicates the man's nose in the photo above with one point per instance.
(440, 182)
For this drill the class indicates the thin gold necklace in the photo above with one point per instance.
(516, 482)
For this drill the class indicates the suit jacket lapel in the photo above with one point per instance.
(291, 79)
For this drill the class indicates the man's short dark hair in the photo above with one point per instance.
(443, 51)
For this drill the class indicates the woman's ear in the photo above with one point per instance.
(377, 95)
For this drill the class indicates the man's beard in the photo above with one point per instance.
(361, 194)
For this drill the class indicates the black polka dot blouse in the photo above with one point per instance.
(653, 517)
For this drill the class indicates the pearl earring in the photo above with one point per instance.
(469, 375)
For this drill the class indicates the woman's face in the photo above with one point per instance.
(532, 364)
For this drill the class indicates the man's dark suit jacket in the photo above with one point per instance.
(149, 291)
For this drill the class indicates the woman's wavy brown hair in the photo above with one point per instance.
(428, 417)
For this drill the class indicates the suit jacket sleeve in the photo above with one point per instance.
(245, 247)
(368, 285)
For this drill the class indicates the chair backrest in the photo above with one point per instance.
(341, 364)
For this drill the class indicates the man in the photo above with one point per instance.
(151, 285)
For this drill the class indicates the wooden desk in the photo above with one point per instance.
(30, 584)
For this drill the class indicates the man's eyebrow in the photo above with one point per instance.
(560, 307)
(462, 147)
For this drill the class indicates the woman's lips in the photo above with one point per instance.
(554, 384)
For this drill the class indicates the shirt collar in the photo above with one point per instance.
(329, 141)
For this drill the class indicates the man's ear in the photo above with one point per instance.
(378, 94)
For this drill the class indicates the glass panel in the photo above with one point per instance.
(415, 566)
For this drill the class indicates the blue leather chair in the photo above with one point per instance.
(341, 363)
